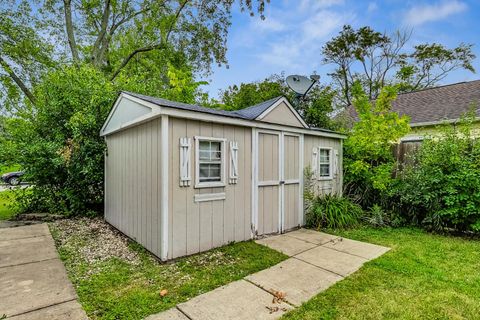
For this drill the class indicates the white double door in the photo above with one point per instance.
(278, 183)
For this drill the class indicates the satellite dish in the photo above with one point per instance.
(300, 84)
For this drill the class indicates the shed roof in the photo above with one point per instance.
(252, 116)
(435, 105)
(249, 113)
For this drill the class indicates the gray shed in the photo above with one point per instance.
(181, 179)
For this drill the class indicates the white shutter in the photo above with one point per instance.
(335, 163)
(185, 170)
(314, 163)
(233, 176)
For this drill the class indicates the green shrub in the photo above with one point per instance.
(369, 161)
(333, 211)
(441, 189)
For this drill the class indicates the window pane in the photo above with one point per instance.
(324, 170)
(215, 171)
(204, 170)
(324, 155)
(209, 172)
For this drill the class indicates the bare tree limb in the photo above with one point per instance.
(17, 80)
(97, 51)
(67, 5)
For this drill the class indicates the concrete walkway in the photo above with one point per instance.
(317, 260)
(33, 280)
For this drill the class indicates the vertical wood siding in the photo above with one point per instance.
(198, 226)
(132, 177)
(325, 186)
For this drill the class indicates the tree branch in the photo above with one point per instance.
(67, 4)
(17, 80)
(153, 47)
(96, 52)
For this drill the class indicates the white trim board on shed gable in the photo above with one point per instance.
(180, 110)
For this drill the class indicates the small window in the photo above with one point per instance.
(325, 167)
(210, 162)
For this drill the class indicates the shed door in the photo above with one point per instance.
(291, 181)
(278, 182)
(268, 182)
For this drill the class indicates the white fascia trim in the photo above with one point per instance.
(276, 104)
(164, 187)
(155, 112)
(193, 115)
(434, 123)
(209, 197)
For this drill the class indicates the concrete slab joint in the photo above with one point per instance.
(317, 261)
(31, 272)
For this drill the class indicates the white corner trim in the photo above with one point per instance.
(209, 197)
(164, 188)
(276, 104)
(254, 221)
(301, 203)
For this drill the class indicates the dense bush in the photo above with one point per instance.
(369, 162)
(441, 189)
(332, 211)
(57, 141)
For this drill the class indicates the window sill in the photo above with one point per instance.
(209, 185)
(325, 178)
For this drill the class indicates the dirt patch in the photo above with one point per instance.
(94, 239)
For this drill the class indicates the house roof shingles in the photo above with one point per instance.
(444, 103)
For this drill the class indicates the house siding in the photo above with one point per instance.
(199, 226)
(132, 178)
(324, 186)
(283, 115)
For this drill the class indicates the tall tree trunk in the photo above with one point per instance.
(17, 80)
(69, 26)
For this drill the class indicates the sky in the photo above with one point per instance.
(291, 36)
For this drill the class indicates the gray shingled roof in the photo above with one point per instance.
(437, 104)
(250, 113)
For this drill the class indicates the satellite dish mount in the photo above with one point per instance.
(301, 85)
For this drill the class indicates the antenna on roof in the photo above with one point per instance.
(301, 85)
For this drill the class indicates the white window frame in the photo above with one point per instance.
(330, 163)
(209, 184)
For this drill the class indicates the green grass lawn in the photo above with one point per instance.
(424, 276)
(6, 210)
(128, 287)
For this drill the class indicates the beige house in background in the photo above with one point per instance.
(430, 109)
(181, 179)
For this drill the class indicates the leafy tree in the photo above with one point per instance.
(113, 36)
(62, 63)
(316, 108)
(369, 161)
(376, 59)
